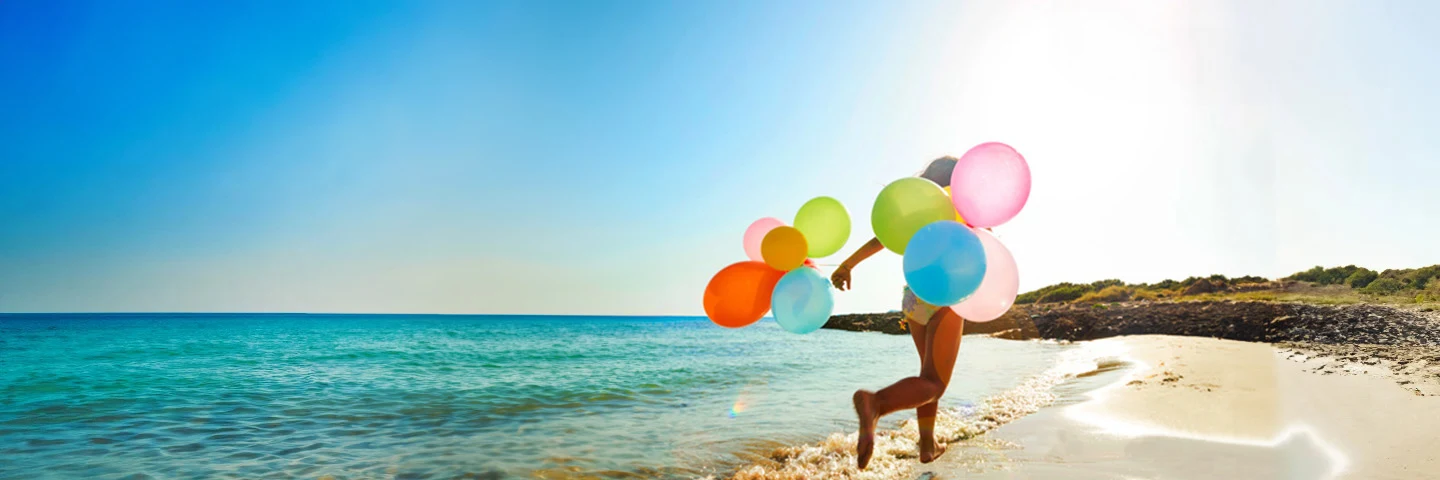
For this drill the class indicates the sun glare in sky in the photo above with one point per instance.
(605, 158)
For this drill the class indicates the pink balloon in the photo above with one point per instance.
(990, 184)
(999, 287)
(756, 233)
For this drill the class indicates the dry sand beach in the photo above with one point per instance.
(1170, 407)
(1198, 408)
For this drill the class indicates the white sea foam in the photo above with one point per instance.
(896, 451)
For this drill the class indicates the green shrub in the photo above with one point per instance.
(1166, 284)
(1431, 292)
(1103, 284)
(1389, 282)
(1421, 277)
(1356, 277)
(1384, 286)
(1064, 293)
(1312, 275)
(1337, 276)
(1060, 292)
(1326, 276)
(1361, 278)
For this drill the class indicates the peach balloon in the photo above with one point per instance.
(999, 287)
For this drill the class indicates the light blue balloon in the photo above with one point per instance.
(802, 301)
(944, 263)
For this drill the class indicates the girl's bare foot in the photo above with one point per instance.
(928, 455)
(865, 410)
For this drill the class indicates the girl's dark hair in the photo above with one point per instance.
(939, 170)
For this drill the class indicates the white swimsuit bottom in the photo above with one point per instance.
(916, 310)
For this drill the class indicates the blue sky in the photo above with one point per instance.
(606, 157)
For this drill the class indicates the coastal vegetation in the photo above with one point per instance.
(1166, 306)
(1336, 285)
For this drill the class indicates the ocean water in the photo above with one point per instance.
(420, 396)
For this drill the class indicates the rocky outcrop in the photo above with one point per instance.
(1203, 286)
(1016, 322)
(869, 322)
(1245, 321)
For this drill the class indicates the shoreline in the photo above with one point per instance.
(1402, 344)
(896, 452)
(1164, 406)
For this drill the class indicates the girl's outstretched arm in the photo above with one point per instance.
(841, 277)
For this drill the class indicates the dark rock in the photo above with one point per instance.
(894, 323)
(1245, 321)
(1202, 286)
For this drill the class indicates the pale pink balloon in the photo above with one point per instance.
(756, 233)
(999, 287)
(990, 184)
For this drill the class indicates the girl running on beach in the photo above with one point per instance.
(936, 332)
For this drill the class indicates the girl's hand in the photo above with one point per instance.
(841, 278)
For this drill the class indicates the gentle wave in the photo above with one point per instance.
(237, 396)
(896, 451)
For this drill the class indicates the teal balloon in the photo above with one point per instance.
(944, 263)
(802, 301)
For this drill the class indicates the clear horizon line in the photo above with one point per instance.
(350, 313)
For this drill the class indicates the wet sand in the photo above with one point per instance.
(1201, 408)
(896, 451)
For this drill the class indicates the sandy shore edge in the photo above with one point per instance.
(1194, 407)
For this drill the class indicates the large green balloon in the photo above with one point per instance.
(906, 205)
(826, 226)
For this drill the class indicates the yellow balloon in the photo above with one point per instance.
(958, 218)
(784, 248)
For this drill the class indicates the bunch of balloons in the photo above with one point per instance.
(948, 259)
(773, 278)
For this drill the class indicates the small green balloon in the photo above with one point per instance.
(826, 226)
(906, 205)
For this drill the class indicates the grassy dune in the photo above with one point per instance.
(1319, 285)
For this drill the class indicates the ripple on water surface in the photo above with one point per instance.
(356, 396)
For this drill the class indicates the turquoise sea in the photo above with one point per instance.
(439, 396)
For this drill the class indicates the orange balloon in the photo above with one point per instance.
(740, 294)
(784, 248)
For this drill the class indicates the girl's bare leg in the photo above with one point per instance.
(912, 392)
(942, 345)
